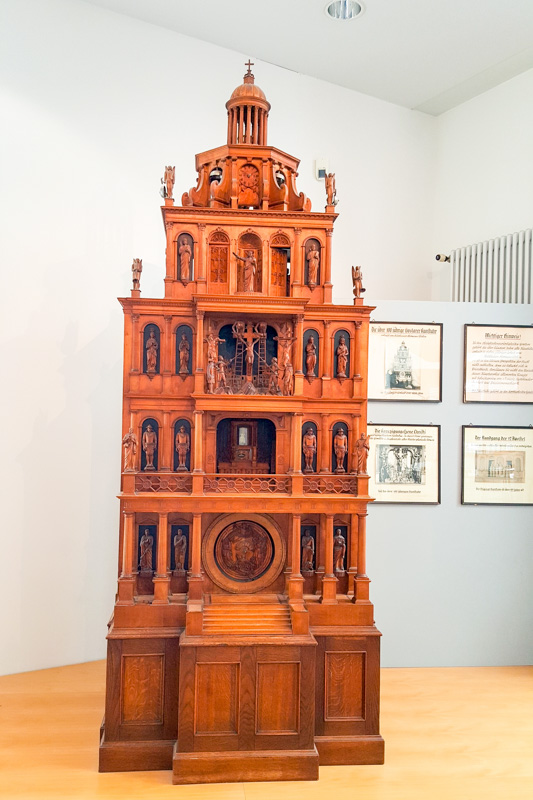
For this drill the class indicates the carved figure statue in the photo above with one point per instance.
(210, 375)
(273, 378)
(308, 551)
(212, 349)
(310, 358)
(184, 351)
(288, 379)
(309, 448)
(339, 549)
(285, 341)
(185, 254)
(151, 352)
(180, 548)
(362, 446)
(331, 192)
(342, 354)
(357, 281)
(168, 181)
(313, 260)
(221, 379)
(136, 269)
(249, 269)
(130, 450)
(183, 445)
(147, 551)
(340, 447)
(149, 443)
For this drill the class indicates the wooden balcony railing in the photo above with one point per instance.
(246, 484)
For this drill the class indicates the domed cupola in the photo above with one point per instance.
(248, 112)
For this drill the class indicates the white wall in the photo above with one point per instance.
(484, 170)
(92, 106)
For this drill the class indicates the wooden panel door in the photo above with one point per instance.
(278, 272)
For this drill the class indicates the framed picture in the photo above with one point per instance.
(404, 463)
(404, 361)
(497, 465)
(498, 364)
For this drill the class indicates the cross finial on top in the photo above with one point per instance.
(249, 64)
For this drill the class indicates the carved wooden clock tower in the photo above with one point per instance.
(242, 644)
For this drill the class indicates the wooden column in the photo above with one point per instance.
(325, 444)
(195, 572)
(126, 580)
(171, 251)
(361, 581)
(295, 465)
(329, 581)
(327, 350)
(199, 385)
(357, 350)
(135, 344)
(166, 347)
(298, 355)
(296, 265)
(327, 277)
(296, 581)
(352, 554)
(198, 442)
(162, 577)
(165, 444)
(200, 263)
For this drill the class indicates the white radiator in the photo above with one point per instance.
(495, 271)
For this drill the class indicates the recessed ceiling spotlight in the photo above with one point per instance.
(344, 9)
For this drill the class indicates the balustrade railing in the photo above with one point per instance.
(256, 484)
(330, 484)
(253, 484)
(163, 483)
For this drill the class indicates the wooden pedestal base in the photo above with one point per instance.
(231, 767)
(134, 756)
(334, 750)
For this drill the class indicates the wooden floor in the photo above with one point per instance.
(458, 734)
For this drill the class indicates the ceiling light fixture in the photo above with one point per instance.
(344, 9)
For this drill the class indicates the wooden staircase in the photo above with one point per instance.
(246, 617)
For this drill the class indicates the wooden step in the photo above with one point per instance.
(241, 618)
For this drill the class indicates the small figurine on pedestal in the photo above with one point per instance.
(357, 281)
(130, 451)
(339, 549)
(309, 449)
(183, 445)
(340, 446)
(288, 379)
(180, 549)
(184, 351)
(310, 358)
(185, 255)
(248, 270)
(331, 192)
(308, 551)
(149, 443)
(167, 182)
(151, 353)
(136, 269)
(147, 551)
(362, 446)
(313, 259)
(210, 376)
(342, 354)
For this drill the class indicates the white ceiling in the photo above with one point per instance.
(428, 55)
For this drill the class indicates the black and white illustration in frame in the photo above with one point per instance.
(497, 465)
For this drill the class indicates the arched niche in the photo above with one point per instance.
(183, 350)
(309, 462)
(249, 187)
(250, 241)
(339, 465)
(343, 528)
(149, 445)
(341, 354)
(313, 262)
(234, 351)
(280, 259)
(311, 351)
(218, 261)
(185, 257)
(147, 549)
(308, 549)
(182, 445)
(179, 549)
(151, 349)
(246, 446)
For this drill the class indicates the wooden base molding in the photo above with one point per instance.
(135, 756)
(334, 750)
(231, 767)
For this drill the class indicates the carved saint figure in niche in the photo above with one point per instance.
(288, 379)
(310, 358)
(184, 351)
(248, 186)
(308, 551)
(211, 376)
(185, 254)
(130, 450)
(151, 352)
(339, 549)
(180, 548)
(313, 260)
(340, 447)
(147, 551)
(183, 445)
(331, 192)
(273, 378)
(342, 354)
(249, 269)
(362, 446)
(136, 269)
(309, 449)
(168, 181)
(221, 377)
(357, 282)
(149, 443)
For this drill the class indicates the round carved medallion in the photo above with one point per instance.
(243, 554)
(244, 550)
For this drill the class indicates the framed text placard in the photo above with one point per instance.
(497, 465)
(498, 365)
(404, 361)
(404, 463)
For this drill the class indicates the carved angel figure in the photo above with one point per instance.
(331, 192)
(136, 269)
(168, 181)
(357, 281)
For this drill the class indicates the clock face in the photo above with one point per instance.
(244, 550)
